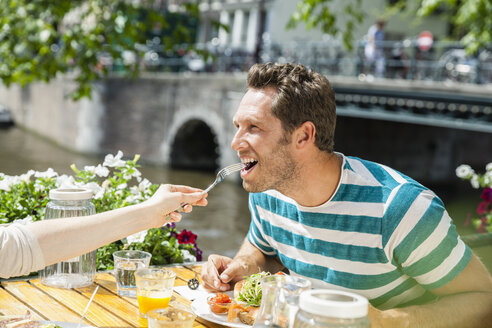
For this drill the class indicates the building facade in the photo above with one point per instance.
(251, 21)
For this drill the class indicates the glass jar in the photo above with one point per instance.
(81, 270)
(280, 300)
(325, 308)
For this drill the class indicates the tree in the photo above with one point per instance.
(40, 39)
(471, 19)
(319, 13)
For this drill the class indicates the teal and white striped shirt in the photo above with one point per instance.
(381, 235)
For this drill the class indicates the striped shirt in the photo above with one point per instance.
(381, 235)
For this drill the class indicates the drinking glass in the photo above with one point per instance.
(125, 265)
(280, 300)
(154, 288)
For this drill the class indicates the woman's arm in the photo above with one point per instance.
(65, 238)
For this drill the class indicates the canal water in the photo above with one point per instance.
(222, 225)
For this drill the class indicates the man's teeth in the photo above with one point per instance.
(249, 163)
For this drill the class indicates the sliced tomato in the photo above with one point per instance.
(222, 298)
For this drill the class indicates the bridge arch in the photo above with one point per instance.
(194, 147)
(195, 140)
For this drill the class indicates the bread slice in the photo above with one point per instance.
(248, 315)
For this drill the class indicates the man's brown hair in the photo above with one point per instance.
(302, 95)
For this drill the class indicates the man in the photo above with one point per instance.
(340, 221)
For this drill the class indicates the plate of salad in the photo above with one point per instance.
(237, 308)
(201, 308)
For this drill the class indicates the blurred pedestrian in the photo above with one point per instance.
(373, 50)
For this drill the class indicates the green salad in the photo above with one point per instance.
(251, 290)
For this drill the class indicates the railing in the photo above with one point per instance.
(443, 62)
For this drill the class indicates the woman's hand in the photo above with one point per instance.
(168, 199)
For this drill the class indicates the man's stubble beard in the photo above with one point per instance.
(281, 171)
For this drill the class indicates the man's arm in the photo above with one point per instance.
(466, 301)
(247, 261)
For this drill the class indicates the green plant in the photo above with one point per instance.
(115, 183)
(483, 223)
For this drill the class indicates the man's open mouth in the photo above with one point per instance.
(249, 165)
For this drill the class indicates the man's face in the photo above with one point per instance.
(261, 142)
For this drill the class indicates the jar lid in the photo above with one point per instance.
(333, 303)
(70, 194)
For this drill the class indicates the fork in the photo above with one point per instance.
(225, 172)
(220, 176)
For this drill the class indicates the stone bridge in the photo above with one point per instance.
(185, 121)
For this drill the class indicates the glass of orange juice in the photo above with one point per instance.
(154, 288)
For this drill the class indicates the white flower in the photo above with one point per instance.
(26, 177)
(114, 161)
(49, 173)
(488, 167)
(464, 171)
(65, 181)
(101, 171)
(89, 169)
(134, 198)
(39, 186)
(136, 173)
(119, 193)
(144, 185)
(99, 194)
(5, 183)
(106, 184)
(137, 237)
(44, 35)
(134, 190)
(122, 186)
(474, 181)
(187, 256)
(487, 178)
(92, 186)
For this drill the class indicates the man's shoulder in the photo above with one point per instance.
(377, 170)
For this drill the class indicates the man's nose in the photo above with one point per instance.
(237, 141)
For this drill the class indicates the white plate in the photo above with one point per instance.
(66, 324)
(202, 309)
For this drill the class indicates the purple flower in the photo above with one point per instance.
(198, 253)
(487, 194)
(171, 226)
(186, 237)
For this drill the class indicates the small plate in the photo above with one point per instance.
(201, 308)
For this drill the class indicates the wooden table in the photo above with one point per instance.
(106, 310)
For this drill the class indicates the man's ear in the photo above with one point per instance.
(305, 134)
